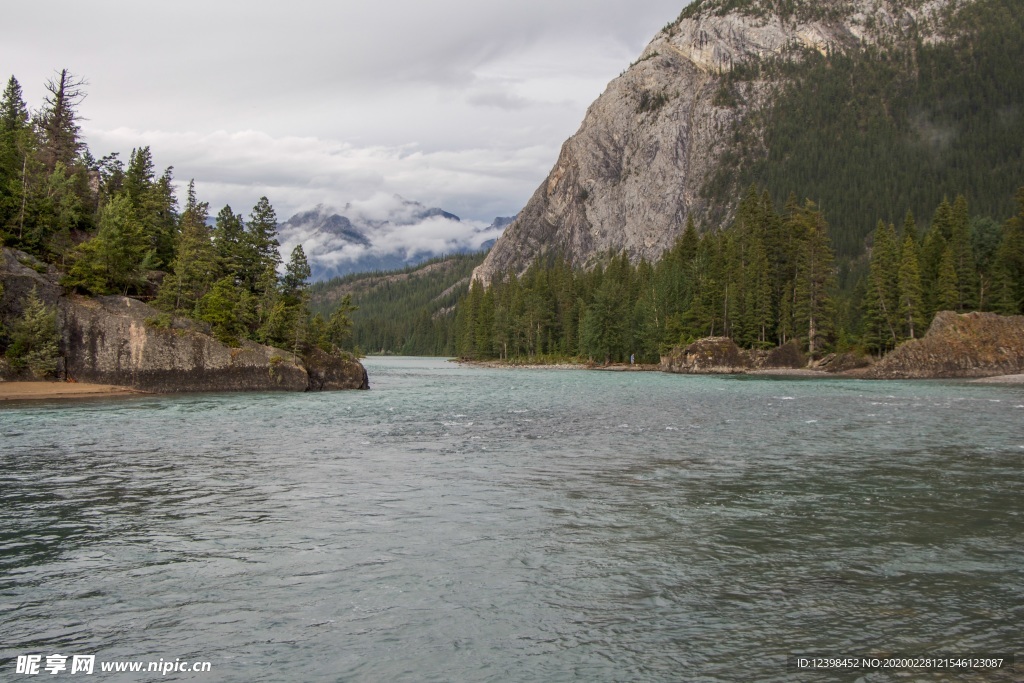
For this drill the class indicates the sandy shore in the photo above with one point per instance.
(792, 372)
(505, 365)
(1000, 379)
(23, 391)
(520, 366)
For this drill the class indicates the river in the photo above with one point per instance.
(472, 524)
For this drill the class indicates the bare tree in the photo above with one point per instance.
(58, 120)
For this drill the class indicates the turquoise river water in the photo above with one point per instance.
(470, 524)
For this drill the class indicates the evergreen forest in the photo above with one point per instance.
(769, 278)
(117, 228)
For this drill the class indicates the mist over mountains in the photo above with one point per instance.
(384, 232)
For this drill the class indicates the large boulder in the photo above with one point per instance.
(708, 356)
(721, 356)
(330, 371)
(958, 345)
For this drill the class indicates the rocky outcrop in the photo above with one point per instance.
(112, 340)
(958, 345)
(721, 356)
(635, 170)
(20, 273)
(117, 340)
(708, 356)
(330, 372)
(843, 362)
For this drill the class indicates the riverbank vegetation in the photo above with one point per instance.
(769, 278)
(116, 228)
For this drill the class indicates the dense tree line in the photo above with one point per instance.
(767, 279)
(117, 229)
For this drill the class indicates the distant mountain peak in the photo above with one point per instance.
(380, 233)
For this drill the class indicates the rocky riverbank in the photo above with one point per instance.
(721, 356)
(968, 345)
(115, 340)
(965, 345)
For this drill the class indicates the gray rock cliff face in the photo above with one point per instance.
(107, 341)
(19, 275)
(633, 173)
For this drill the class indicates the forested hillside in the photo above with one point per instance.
(873, 133)
(113, 228)
(768, 279)
(869, 108)
(408, 312)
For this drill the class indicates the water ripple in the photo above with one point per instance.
(488, 525)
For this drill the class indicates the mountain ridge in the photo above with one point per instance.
(689, 124)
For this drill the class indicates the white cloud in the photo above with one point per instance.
(295, 173)
(379, 226)
(455, 103)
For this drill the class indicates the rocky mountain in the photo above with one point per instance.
(818, 98)
(383, 233)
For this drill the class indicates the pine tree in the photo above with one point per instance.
(465, 322)
(194, 269)
(339, 324)
(484, 324)
(295, 294)
(229, 310)
(16, 140)
(294, 285)
(986, 234)
(1008, 269)
(911, 296)
(760, 295)
(230, 241)
(139, 178)
(942, 221)
(813, 306)
(910, 227)
(60, 212)
(881, 301)
(262, 248)
(151, 203)
(963, 256)
(58, 120)
(930, 256)
(947, 287)
(604, 322)
(115, 260)
(165, 223)
(34, 338)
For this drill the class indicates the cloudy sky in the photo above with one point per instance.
(461, 104)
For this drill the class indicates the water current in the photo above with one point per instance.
(471, 524)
